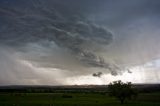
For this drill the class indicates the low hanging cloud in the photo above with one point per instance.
(98, 74)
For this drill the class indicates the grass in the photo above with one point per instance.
(74, 99)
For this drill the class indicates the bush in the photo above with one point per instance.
(121, 91)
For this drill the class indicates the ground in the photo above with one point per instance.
(74, 99)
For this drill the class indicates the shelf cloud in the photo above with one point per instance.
(61, 39)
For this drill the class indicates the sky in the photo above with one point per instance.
(74, 42)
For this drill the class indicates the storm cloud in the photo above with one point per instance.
(75, 38)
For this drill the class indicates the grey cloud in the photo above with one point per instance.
(98, 74)
(68, 35)
(16, 71)
(73, 32)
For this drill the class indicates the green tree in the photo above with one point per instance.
(122, 91)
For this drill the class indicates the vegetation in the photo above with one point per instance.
(121, 91)
(74, 96)
(74, 99)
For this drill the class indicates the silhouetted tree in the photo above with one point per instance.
(122, 91)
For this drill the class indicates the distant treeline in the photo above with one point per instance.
(53, 89)
(147, 88)
(72, 89)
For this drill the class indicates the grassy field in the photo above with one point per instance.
(74, 99)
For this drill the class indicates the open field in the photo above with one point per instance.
(74, 99)
(73, 96)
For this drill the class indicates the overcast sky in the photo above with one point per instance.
(61, 42)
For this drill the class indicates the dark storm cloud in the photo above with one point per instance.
(76, 38)
(98, 74)
(54, 21)
(132, 23)
(116, 13)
